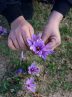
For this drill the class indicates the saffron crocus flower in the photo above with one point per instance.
(36, 44)
(33, 39)
(30, 85)
(46, 52)
(19, 71)
(33, 69)
(3, 30)
(38, 47)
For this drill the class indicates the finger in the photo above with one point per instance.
(31, 30)
(45, 36)
(52, 44)
(21, 41)
(26, 35)
(10, 44)
(14, 40)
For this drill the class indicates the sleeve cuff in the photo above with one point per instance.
(62, 6)
(12, 12)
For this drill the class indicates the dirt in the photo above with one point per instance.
(61, 94)
(3, 66)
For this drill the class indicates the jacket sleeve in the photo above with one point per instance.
(70, 1)
(62, 6)
(2, 5)
(10, 9)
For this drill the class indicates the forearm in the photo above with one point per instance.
(60, 9)
(55, 18)
(18, 21)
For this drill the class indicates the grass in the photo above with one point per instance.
(56, 71)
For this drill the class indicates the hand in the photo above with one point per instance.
(20, 31)
(51, 34)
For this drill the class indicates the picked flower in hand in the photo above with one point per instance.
(38, 47)
(34, 39)
(30, 85)
(33, 69)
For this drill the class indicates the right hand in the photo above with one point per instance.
(21, 30)
(51, 34)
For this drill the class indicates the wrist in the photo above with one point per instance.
(19, 21)
(55, 18)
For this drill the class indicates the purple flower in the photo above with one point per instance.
(30, 85)
(19, 71)
(46, 52)
(33, 69)
(38, 47)
(3, 30)
(34, 38)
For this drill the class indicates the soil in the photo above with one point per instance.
(3, 66)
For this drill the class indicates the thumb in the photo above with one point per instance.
(31, 30)
(52, 44)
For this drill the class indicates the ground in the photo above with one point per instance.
(56, 77)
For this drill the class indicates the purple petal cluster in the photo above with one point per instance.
(30, 85)
(38, 47)
(19, 71)
(34, 39)
(33, 69)
(3, 31)
(46, 52)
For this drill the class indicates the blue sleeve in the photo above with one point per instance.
(62, 6)
(10, 9)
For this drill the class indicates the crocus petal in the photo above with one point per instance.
(31, 85)
(29, 42)
(19, 71)
(38, 47)
(1, 29)
(39, 53)
(33, 69)
(30, 80)
(32, 47)
(32, 88)
(34, 37)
